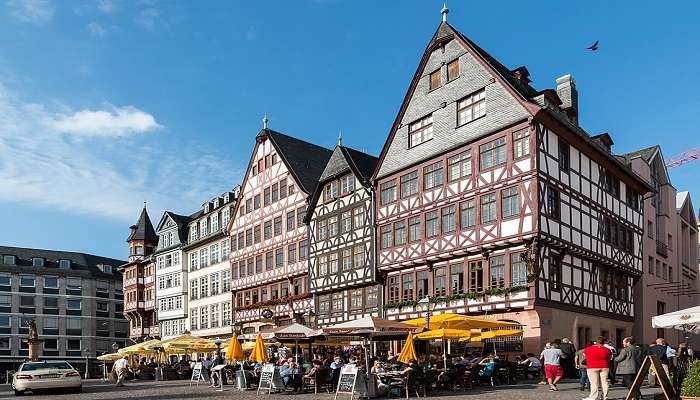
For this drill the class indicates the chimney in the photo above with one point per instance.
(566, 89)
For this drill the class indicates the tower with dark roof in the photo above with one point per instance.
(142, 239)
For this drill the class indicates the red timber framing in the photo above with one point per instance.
(269, 241)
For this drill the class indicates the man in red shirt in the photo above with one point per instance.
(597, 364)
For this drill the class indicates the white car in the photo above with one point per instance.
(39, 375)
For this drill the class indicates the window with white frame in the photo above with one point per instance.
(420, 131)
(459, 166)
(214, 313)
(347, 184)
(64, 264)
(226, 313)
(193, 232)
(37, 262)
(27, 281)
(224, 250)
(73, 304)
(215, 223)
(203, 227)
(194, 261)
(471, 107)
(521, 143)
(203, 257)
(214, 253)
(432, 176)
(194, 318)
(215, 284)
(225, 216)
(204, 286)
(226, 281)
(194, 289)
(204, 317)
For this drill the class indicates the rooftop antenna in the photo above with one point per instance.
(340, 138)
(444, 12)
(144, 204)
(265, 121)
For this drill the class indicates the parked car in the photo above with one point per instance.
(39, 375)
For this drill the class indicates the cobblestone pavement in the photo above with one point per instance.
(175, 390)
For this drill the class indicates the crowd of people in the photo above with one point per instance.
(600, 364)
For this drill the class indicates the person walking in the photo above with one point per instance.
(597, 368)
(568, 353)
(121, 366)
(628, 362)
(580, 362)
(552, 366)
(611, 363)
(543, 381)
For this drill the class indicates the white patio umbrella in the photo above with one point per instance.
(687, 320)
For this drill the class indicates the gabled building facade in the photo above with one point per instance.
(269, 241)
(171, 273)
(209, 272)
(491, 200)
(139, 280)
(340, 217)
(669, 281)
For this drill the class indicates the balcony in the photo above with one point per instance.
(661, 248)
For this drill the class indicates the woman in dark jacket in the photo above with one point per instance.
(628, 361)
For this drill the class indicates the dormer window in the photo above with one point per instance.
(226, 198)
(420, 131)
(64, 264)
(37, 262)
(9, 260)
(206, 208)
(107, 269)
(193, 232)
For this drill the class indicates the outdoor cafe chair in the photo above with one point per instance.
(320, 380)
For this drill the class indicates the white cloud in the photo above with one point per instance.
(96, 29)
(101, 176)
(106, 6)
(116, 121)
(148, 18)
(36, 12)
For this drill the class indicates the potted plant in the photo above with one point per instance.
(690, 390)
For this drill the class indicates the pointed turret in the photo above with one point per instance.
(142, 239)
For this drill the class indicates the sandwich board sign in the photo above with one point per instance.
(197, 374)
(218, 371)
(653, 363)
(346, 381)
(269, 378)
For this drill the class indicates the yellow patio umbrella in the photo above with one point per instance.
(443, 333)
(408, 353)
(188, 343)
(234, 351)
(247, 346)
(140, 348)
(259, 354)
(493, 334)
(458, 321)
(110, 357)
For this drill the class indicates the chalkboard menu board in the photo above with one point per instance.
(197, 373)
(346, 381)
(266, 376)
(653, 363)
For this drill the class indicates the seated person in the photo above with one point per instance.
(489, 364)
(377, 368)
(291, 374)
(533, 364)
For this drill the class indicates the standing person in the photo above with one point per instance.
(568, 352)
(660, 351)
(611, 362)
(597, 368)
(628, 362)
(682, 365)
(121, 366)
(552, 365)
(580, 361)
(547, 345)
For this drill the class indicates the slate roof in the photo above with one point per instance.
(143, 229)
(646, 153)
(79, 261)
(344, 159)
(306, 161)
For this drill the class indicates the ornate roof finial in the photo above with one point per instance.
(144, 204)
(340, 138)
(265, 121)
(444, 12)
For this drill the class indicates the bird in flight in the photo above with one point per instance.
(593, 47)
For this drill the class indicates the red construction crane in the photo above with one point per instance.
(683, 158)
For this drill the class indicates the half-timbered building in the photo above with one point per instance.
(341, 252)
(139, 280)
(269, 241)
(492, 200)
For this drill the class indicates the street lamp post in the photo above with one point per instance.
(425, 302)
(87, 362)
(218, 342)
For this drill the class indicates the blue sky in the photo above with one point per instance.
(105, 104)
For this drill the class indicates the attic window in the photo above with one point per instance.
(37, 262)
(471, 107)
(435, 80)
(453, 70)
(9, 260)
(64, 264)
(107, 269)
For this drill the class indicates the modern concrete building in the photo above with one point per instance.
(670, 253)
(140, 280)
(209, 275)
(75, 299)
